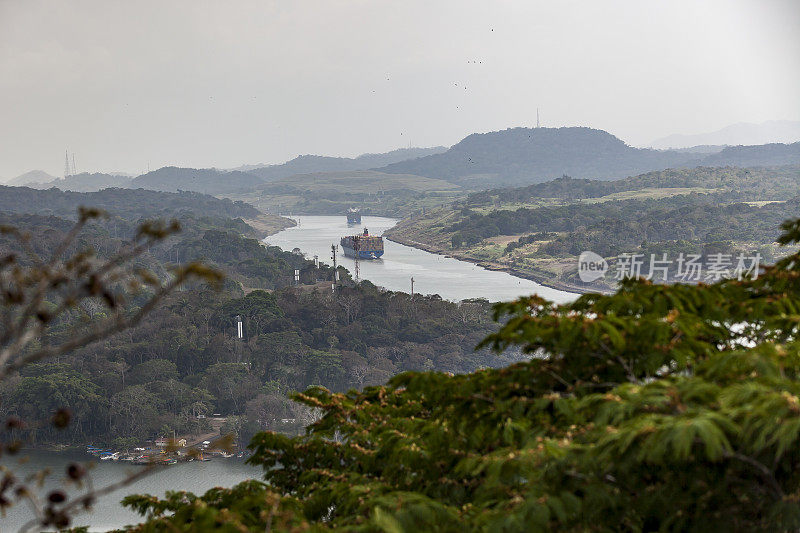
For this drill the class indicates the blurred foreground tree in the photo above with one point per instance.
(672, 408)
(53, 304)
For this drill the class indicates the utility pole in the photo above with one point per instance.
(335, 270)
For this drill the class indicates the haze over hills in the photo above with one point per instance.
(33, 176)
(217, 181)
(767, 155)
(527, 155)
(83, 182)
(205, 180)
(307, 164)
(512, 157)
(773, 131)
(365, 181)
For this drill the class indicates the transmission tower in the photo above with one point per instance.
(67, 172)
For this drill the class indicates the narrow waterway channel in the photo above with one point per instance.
(433, 274)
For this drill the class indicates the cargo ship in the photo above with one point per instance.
(353, 216)
(364, 246)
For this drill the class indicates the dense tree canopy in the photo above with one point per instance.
(655, 408)
(184, 360)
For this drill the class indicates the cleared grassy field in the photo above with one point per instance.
(762, 203)
(640, 194)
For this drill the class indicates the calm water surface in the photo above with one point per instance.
(433, 274)
(107, 513)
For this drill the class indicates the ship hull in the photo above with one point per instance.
(362, 254)
(354, 218)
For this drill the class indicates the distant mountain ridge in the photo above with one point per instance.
(33, 176)
(83, 182)
(743, 133)
(519, 156)
(120, 202)
(766, 155)
(205, 180)
(529, 155)
(512, 157)
(309, 164)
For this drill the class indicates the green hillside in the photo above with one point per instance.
(332, 193)
(538, 231)
(205, 180)
(533, 155)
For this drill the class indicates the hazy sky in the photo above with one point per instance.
(127, 84)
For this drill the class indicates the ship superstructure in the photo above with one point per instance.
(354, 216)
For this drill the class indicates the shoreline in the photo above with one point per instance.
(266, 224)
(542, 280)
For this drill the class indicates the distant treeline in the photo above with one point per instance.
(130, 204)
(778, 183)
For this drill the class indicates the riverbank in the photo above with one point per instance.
(545, 278)
(433, 273)
(265, 224)
(107, 513)
(542, 277)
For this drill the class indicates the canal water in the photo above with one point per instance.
(107, 513)
(433, 274)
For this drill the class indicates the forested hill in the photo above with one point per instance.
(538, 231)
(184, 360)
(307, 164)
(756, 156)
(764, 184)
(521, 155)
(126, 203)
(525, 155)
(83, 182)
(206, 180)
